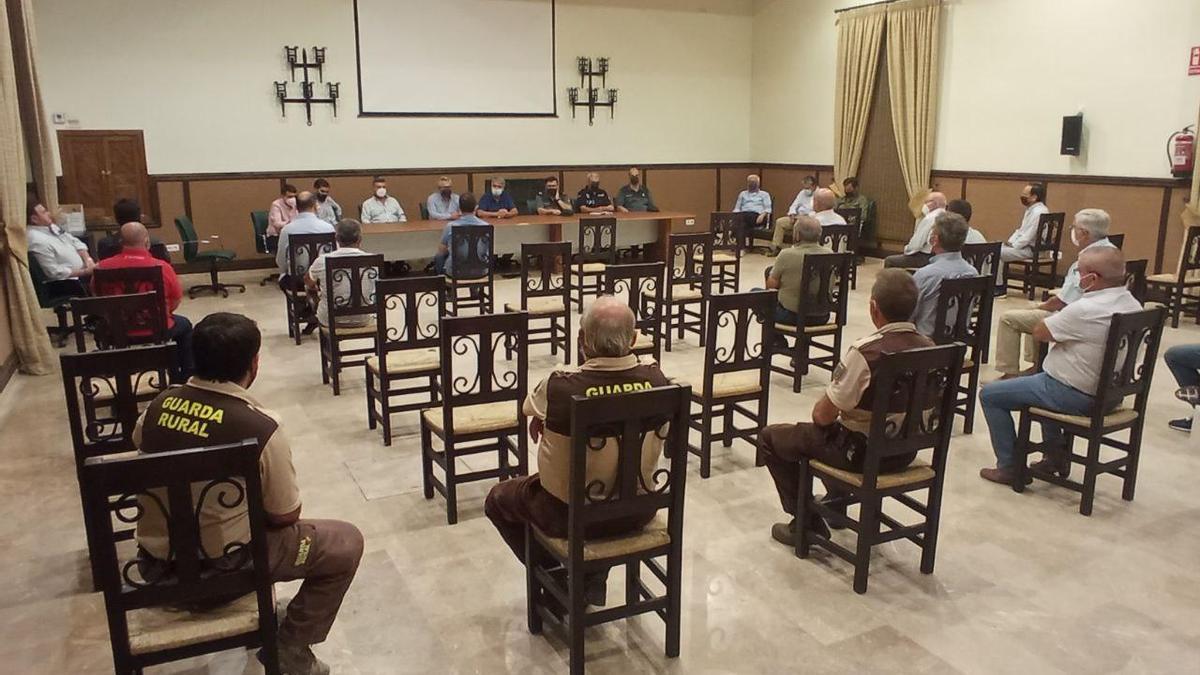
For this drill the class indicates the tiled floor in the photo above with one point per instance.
(1023, 584)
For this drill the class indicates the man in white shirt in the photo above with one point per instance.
(822, 205)
(305, 222)
(963, 208)
(382, 207)
(1020, 245)
(1071, 372)
(59, 253)
(349, 242)
(802, 205)
(919, 249)
(1089, 231)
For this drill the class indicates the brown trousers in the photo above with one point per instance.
(519, 501)
(325, 554)
(784, 445)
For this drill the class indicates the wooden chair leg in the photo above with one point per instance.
(1090, 471)
(533, 589)
(1021, 453)
(522, 453)
(972, 395)
(575, 621)
(674, 588)
(1131, 463)
(706, 439)
(727, 427)
(370, 398)
(426, 459)
(868, 532)
(933, 519)
(632, 575)
(385, 412)
(449, 475)
(803, 500)
(324, 358)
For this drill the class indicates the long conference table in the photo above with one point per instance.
(419, 238)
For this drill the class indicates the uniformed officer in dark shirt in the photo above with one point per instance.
(593, 198)
(552, 202)
(635, 196)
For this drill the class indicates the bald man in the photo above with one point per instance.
(824, 202)
(135, 252)
(1071, 372)
(606, 337)
(919, 249)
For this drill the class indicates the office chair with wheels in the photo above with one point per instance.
(193, 254)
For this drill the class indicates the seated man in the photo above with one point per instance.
(1020, 245)
(1184, 362)
(592, 198)
(787, 273)
(607, 335)
(963, 208)
(328, 209)
(282, 210)
(135, 252)
(918, 250)
(444, 204)
(949, 233)
(442, 263)
(496, 202)
(59, 253)
(552, 202)
(853, 199)
(382, 207)
(802, 205)
(841, 420)
(753, 203)
(1089, 230)
(349, 241)
(323, 553)
(305, 222)
(1071, 371)
(635, 196)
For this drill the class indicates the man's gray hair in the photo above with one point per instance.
(497, 180)
(1095, 221)
(607, 328)
(807, 229)
(951, 230)
(349, 232)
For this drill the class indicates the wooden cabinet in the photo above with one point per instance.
(100, 167)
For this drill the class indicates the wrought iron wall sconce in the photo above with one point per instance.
(592, 98)
(297, 59)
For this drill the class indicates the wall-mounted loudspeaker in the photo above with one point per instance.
(1072, 135)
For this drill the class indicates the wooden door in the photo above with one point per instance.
(100, 167)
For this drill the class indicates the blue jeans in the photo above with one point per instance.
(999, 399)
(1184, 362)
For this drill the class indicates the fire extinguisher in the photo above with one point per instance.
(1181, 149)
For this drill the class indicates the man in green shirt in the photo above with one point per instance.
(635, 196)
(853, 199)
(787, 273)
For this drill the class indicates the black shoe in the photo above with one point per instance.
(1183, 424)
(310, 328)
(840, 509)
(595, 587)
(1052, 464)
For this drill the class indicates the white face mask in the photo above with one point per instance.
(381, 192)
(924, 209)
(807, 192)
(1075, 237)
(497, 191)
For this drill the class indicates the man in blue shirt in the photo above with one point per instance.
(495, 203)
(948, 235)
(441, 262)
(443, 204)
(754, 203)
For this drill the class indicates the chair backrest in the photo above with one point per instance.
(543, 271)
(739, 332)
(1135, 278)
(132, 280)
(350, 286)
(38, 276)
(471, 251)
(985, 258)
(100, 389)
(691, 261)
(626, 420)
(1117, 239)
(852, 215)
(825, 285)
(726, 228)
(597, 240)
(956, 318)
(1189, 256)
(187, 237)
(472, 348)
(1130, 354)
(303, 250)
(424, 208)
(259, 221)
(418, 303)
(1049, 233)
(176, 485)
(643, 285)
(839, 238)
(114, 317)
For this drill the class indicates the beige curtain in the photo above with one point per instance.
(16, 73)
(859, 34)
(913, 37)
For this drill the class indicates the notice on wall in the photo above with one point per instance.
(1194, 62)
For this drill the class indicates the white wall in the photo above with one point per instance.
(1011, 70)
(197, 77)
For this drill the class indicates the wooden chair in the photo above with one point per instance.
(481, 406)
(642, 284)
(104, 391)
(350, 294)
(687, 284)
(546, 294)
(853, 217)
(964, 316)
(597, 250)
(303, 250)
(471, 256)
(736, 371)
(824, 289)
(985, 258)
(1041, 270)
(921, 384)
(1117, 239)
(406, 349)
(1178, 291)
(726, 266)
(1130, 354)
(623, 420)
(120, 321)
(1135, 278)
(142, 597)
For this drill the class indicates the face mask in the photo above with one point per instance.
(446, 192)
(381, 192)
(291, 201)
(321, 196)
(497, 191)
(1075, 238)
(1025, 201)
(754, 187)
(634, 180)
(1088, 286)
(807, 192)
(552, 192)
(924, 209)
(595, 185)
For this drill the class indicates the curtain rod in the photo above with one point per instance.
(869, 4)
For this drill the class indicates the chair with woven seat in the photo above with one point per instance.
(824, 291)
(471, 283)
(964, 316)
(726, 229)
(1041, 270)
(1135, 279)
(264, 243)
(303, 250)
(597, 250)
(351, 298)
(406, 349)
(56, 296)
(737, 372)
(687, 284)
(1180, 291)
(546, 295)
(1130, 353)
(119, 321)
(853, 217)
(642, 284)
(213, 259)
(143, 596)
(912, 410)
(482, 395)
(622, 421)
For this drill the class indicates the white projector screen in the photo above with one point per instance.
(455, 57)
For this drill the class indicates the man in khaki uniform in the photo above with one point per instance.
(214, 408)
(841, 420)
(787, 274)
(607, 335)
